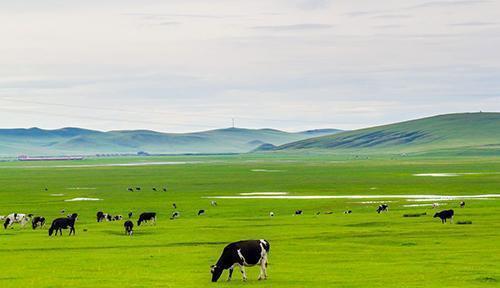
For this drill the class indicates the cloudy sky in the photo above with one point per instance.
(185, 65)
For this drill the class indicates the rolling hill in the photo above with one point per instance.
(66, 141)
(457, 132)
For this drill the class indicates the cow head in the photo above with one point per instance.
(139, 222)
(216, 272)
(436, 215)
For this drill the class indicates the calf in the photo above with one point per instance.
(382, 208)
(129, 226)
(37, 221)
(145, 217)
(63, 223)
(445, 214)
(201, 212)
(175, 215)
(242, 253)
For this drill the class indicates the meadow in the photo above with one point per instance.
(362, 249)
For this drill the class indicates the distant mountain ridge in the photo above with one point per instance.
(72, 140)
(465, 131)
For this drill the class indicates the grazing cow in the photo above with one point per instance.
(108, 217)
(347, 211)
(129, 226)
(130, 189)
(382, 208)
(242, 253)
(16, 218)
(462, 204)
(100, 216)
(63, 223)
(130, 215)
(445, 214)
(201, 212)
(174, 205)
(138, 188)
(298, 212)
(154, 188)
(271, 214)
(175, 215)
(213, 203)
(37, 221)
(164, 189)
(146, 217)
(117, 218)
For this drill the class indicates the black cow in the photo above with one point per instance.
(445, 214)
(174, 205)
(100, 216)
(63, 223)
(145, 217)
(130, 215)
(242, 253)
(130, 189)
(129, 226)
(154, 188)
(382, 208)
(164, 189)
(138, 188)
(462, 204)
(298, 212)
(201, 212)
(37, 221)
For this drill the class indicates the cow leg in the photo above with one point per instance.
(263, 266)
(451, 220)
(230, 273)
(243, 273)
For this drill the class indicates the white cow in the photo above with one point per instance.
(16, 218)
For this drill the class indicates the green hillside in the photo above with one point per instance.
(452, 132)
(35, 141)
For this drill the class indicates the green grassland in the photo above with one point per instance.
(363, 249)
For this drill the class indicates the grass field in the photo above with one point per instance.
(363, 249)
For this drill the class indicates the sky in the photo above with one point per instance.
(189, 65)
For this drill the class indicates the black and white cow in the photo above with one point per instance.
(201, 212)
(298, 212)
(154, 188)
(117, 218)
(37, 221)
(213, 203)
(175, 215)
(462, 204)
(445, 214)
(130, 189)
(130, 215)
(242, 253)
(16, 218)
(100, 216)
(138, 188)
(146, 217)
(129, 226)
(347, 211)
(382, 208)
(63, 223)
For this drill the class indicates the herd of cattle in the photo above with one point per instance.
(241, 253)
